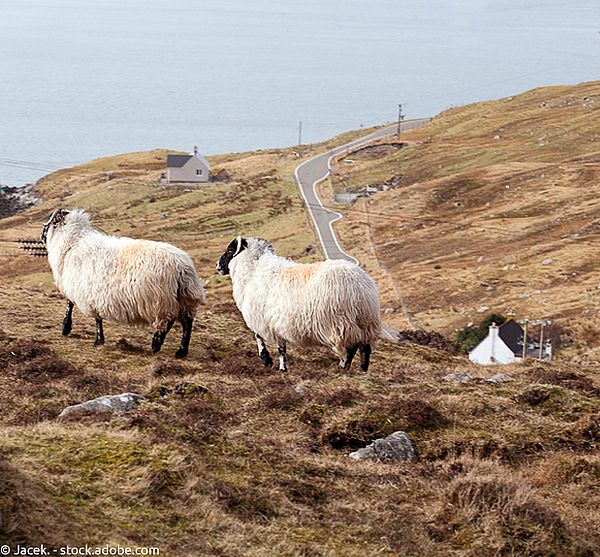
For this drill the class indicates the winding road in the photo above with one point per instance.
(315, 170)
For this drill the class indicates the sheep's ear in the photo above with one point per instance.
(62, 213)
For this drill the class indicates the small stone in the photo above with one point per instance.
(110, 403)
(499, 378)
(394, 447)
(548, 261)
(480, 259)
(482, 309)
(460, 377)
(300, 389)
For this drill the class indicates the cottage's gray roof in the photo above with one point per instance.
(177, 161)
(512, 334)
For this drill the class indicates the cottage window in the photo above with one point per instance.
(198, 172)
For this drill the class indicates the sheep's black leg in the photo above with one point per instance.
(365, 356)
(282, 356)
(347, 361)
(159, 337)
(262, 351)
(99, 332)
(68, 320)
(186, 323)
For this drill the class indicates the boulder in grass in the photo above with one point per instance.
(458, 377)
(499, 378)
(394, 447)
(104, 405)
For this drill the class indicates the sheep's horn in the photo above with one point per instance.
(51, 217)
(239, 245)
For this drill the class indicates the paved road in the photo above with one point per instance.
(311, 172)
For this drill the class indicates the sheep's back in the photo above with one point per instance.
(134, 282)
(332, 303)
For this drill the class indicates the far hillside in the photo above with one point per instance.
(493, 205)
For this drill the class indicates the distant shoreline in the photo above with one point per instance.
(16, 199)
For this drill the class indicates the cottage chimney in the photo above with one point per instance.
(494, 338)
(195, 150)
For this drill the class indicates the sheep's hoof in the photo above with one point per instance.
(66, 330)
(181, 353)
(98, 342)
(267, 361)
(156, 345)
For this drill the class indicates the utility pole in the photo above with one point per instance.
(525, 339)
(543, 324)
(524, 322)
(400, 118)
(300, 133)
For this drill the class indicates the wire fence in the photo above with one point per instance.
(23, 246)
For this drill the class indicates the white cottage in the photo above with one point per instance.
(188, 168)
(504, 345)
(492, 350)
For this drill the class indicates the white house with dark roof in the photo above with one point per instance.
(504, 345)
(188, 168)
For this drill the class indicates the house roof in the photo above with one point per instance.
(177, 161)
(512, 335)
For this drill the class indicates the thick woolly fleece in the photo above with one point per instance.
(134, 282)
(332, 303)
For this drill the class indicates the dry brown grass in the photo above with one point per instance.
(484, 194)
(229, 458)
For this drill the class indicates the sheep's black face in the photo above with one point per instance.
(57, 218)
(233, 249)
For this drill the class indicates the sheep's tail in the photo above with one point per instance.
(190, 291)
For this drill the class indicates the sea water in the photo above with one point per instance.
(80, 79)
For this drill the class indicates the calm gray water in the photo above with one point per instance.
(81, 79)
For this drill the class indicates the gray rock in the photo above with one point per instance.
(110, 403)
(300, 389)
(548, 261)
(394, 447)
(482, 309)
(499, 378)
(460, 377)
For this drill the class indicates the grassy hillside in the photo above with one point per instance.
(229, 459)
(494, 204)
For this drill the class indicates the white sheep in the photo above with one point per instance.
(134, 282)
(331, 303)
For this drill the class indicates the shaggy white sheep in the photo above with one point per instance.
(134, 282)
(331, 303)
